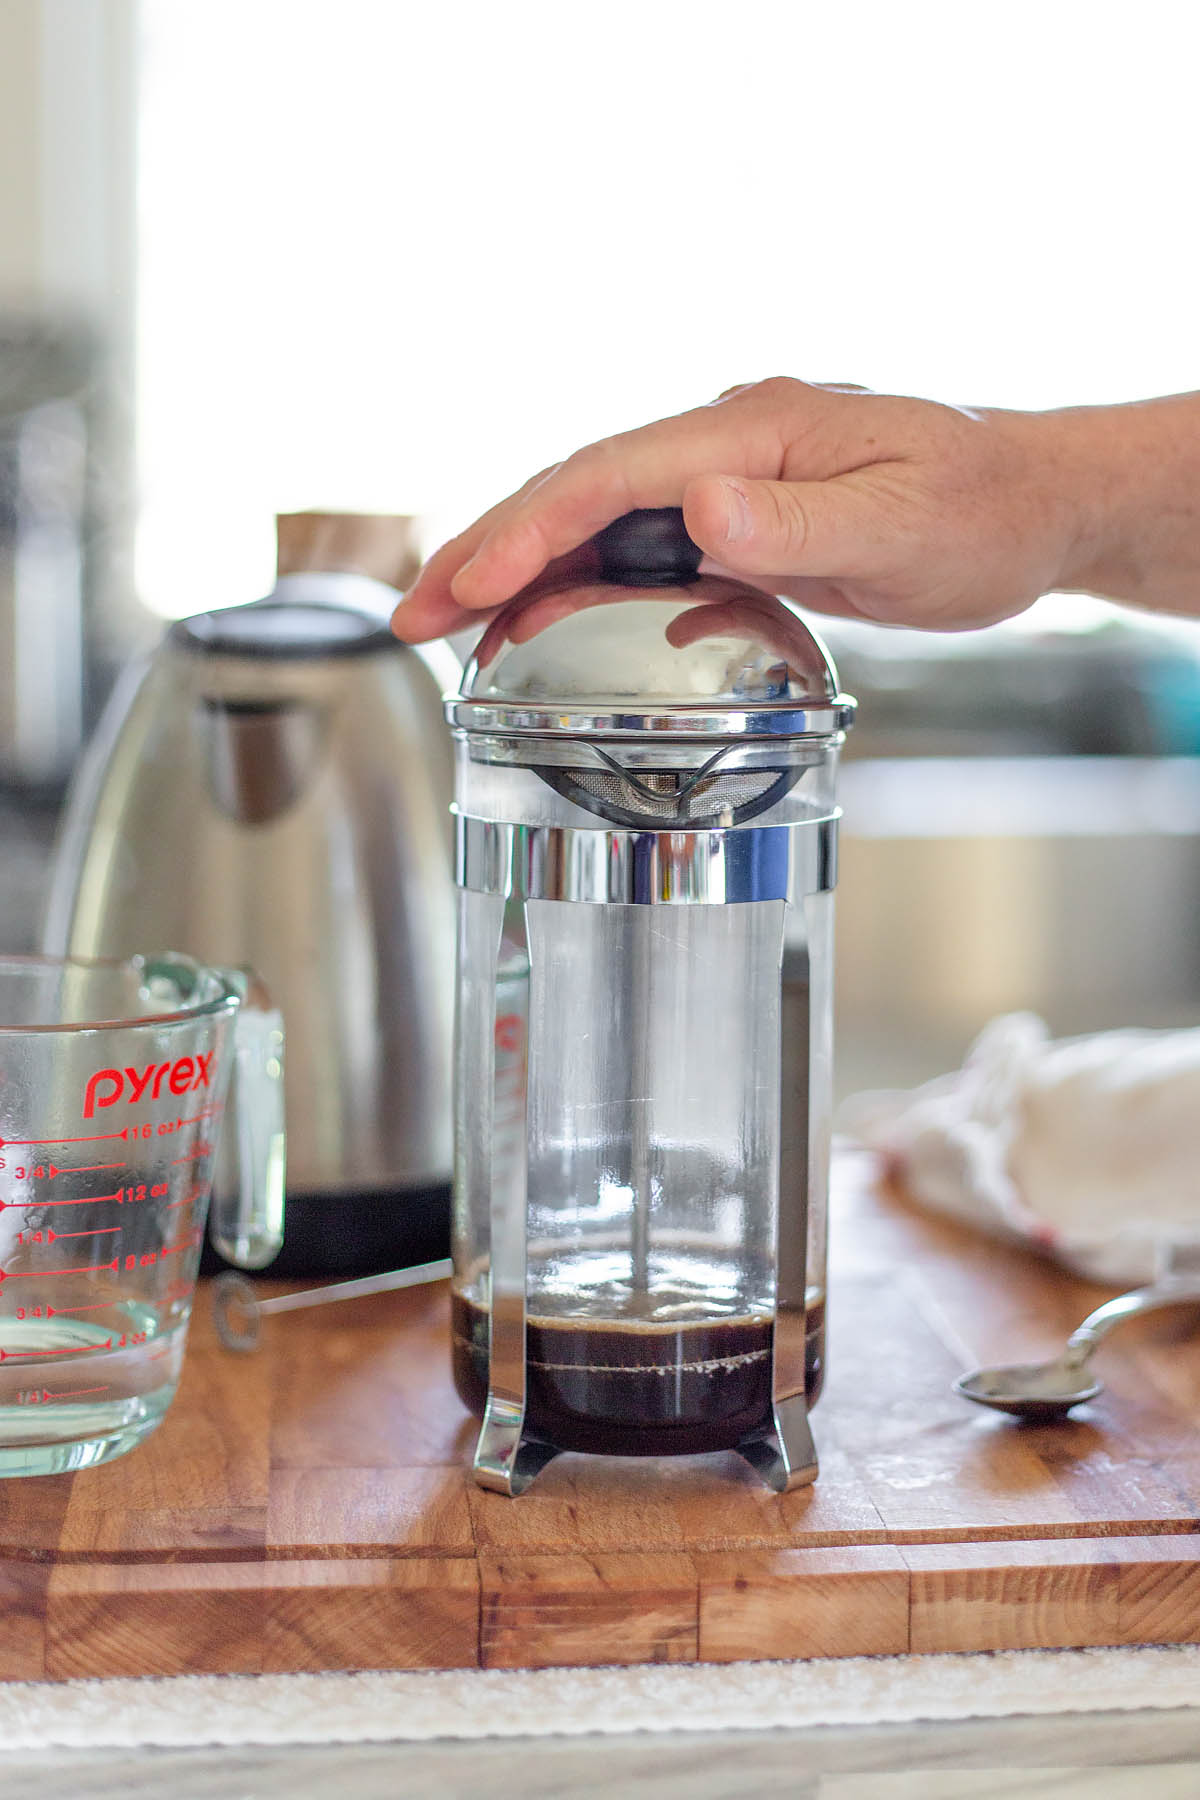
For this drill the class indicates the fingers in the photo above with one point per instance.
(429, 609)
(420, 618)
(803, 538)
(750, 521)
(828, 530)
(648, 467)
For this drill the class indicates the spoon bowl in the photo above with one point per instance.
(1047, 1391)
(1039, 1391)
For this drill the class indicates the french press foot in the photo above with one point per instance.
(507, 1457)
(784, 1455)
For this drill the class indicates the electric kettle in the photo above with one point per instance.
(272, 787)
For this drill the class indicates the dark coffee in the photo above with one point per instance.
(637, 1389)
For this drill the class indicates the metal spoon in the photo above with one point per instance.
(1048, 1391)
(238, 1311)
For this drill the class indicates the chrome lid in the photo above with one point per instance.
(636, 649)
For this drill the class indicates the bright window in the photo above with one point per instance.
(397, 257)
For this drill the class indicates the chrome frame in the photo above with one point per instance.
(782, 862)
(647, 868)
(780, 719)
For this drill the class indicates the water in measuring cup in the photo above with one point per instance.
(74, 1392)
(96, 1290)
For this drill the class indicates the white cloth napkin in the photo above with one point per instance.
(1088, 1147)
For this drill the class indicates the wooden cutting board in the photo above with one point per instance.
(309, 1507)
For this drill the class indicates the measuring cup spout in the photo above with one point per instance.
(246, 1222)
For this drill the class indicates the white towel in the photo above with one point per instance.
(1088, 1147)
(471, 1703)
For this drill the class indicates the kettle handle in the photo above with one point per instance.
(246, 1221)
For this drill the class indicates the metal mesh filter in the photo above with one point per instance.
(669, 799)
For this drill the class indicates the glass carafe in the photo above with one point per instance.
(646, 853)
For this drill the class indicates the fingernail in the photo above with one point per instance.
(737, 511)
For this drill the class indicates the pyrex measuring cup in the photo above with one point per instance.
(113, 1081)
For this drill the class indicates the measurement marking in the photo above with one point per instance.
(186, 1201)
(52, 1237)
(76, 1350)
(52, 1174)
(92, 1306)
(40, 1274)
(88, 1200)
(192, 1156)
(187, 1243)
(76, 1393)
(95, 1137)
(210, 1112)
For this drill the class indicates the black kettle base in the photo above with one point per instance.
(341, 1235)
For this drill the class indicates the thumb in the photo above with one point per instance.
(822, 528)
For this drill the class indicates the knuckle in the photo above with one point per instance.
(603, 466)
(591, 464)
(599, 455)
(780, 389)
(536, 481)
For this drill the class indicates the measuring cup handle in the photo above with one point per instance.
(246, 1225)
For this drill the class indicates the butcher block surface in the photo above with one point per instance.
(309, 1507)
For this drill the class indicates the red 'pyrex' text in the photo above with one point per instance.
(183, 1076)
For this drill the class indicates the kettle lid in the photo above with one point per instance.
(285, 629)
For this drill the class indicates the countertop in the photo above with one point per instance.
(1095, 1756)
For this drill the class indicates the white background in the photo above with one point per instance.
(397, 257)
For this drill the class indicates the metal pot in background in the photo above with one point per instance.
(1067, 886)
(273, 787)
(1023, 832)
(48, 515)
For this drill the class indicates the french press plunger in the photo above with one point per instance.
(646, 859)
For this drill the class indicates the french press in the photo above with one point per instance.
(646, 837)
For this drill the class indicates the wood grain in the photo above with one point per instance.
(154, 1619)
(310, 1507)
(373, 1615)
(803, 1603)
(1012, 1596)
(32, 1511)
(23, 1601)
(357, 1512)
(539, 1611)
(1158, 1590)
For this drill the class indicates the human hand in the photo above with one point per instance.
(864, 505)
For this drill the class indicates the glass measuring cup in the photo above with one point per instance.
(114, 1077)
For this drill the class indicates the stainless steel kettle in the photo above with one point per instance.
(273, 787)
